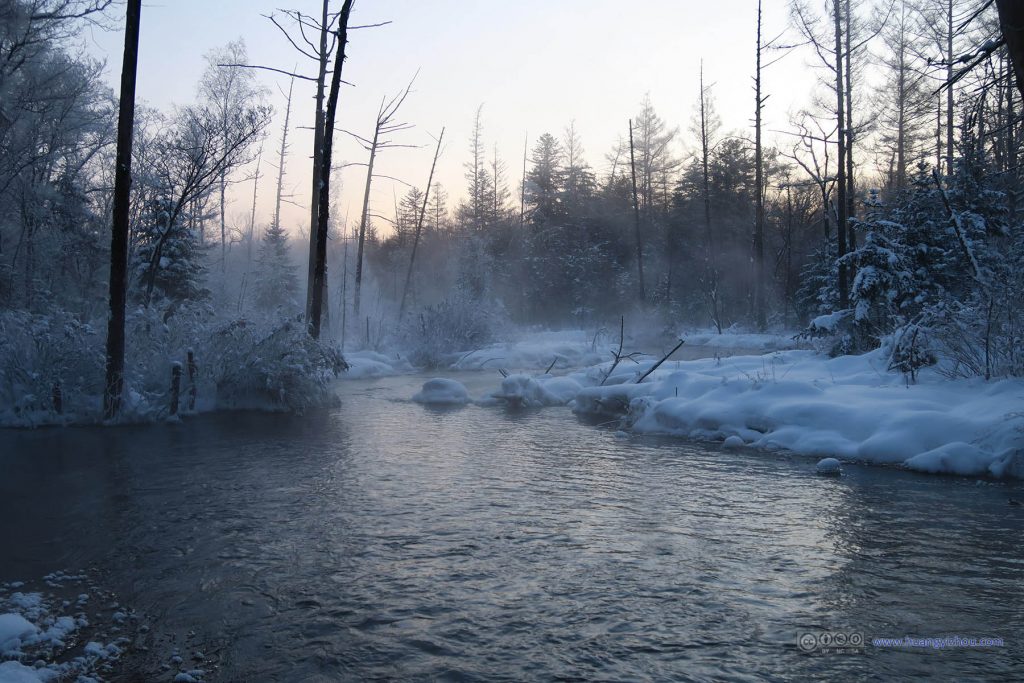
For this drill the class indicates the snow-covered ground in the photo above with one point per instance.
(850, 407)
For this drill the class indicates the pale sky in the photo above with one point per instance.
(535, 65)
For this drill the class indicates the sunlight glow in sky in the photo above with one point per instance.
(535, 65)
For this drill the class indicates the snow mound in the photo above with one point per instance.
(440, 391)
(13, 629)
(828, 466)
(16, 672)
(733, 442)
(524, 391)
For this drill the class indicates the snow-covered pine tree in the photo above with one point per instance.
(277, 286)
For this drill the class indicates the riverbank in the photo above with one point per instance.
(763, 392)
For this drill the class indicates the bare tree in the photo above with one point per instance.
(384, 127)
(114, 387)
(419, 226)
(224, 90)
(636, 220)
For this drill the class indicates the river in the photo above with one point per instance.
(387, 540)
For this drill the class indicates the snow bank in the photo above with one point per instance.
(440, 391)
(742, 340)
(372, 364)
(524, 391)
(537, 351)
(847, 407)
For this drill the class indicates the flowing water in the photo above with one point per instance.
(388, 540)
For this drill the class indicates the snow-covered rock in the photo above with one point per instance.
(13, 629)
(829, 467)
(441, 391)
(733, 442)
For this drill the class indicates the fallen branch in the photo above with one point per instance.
(658, 364)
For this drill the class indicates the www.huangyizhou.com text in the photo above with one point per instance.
(947, 642)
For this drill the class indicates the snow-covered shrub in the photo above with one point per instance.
(41, 355)
(283, 369)
(461, 323)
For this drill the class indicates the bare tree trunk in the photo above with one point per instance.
(419, 227)
(318, 143)
(841, 188)
(759, 296)
(522, 190)
(323, 212)
(362, 225)
(851, 194)
(710, 260)
(636, 220)
(252, 214)
(949, 88)
(114, 387)
(282, 154)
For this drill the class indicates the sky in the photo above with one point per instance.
(534, 65)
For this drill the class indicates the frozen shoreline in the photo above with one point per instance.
(777, 398)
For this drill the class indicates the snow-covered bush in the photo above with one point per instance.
(282, 369)
(461, 323)
(44, 355)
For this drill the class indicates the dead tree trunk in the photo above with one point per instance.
(282, 154)
(841, 206)
(419, 227)
(323, 211)
(759, 297)
(711, 266)
(362, 225)
(318, 142)
(119, 233)
(636, 220)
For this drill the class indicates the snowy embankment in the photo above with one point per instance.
(800, 401)
(848, 407)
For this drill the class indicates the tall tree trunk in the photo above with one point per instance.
(710, 258)
(114, 387)
(949, 87)
(522, 189)
(252, 215)
(759, 296)
(318, 143)
(636, 220)
(282, 153)
(841, 206)
(362, 223)
(851, 195)
(419, 227)
(323, 211)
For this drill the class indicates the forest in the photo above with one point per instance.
(884, 216)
